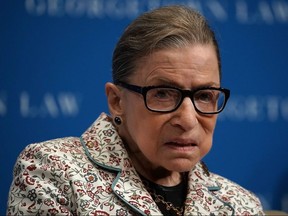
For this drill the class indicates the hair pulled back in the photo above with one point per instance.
(163, 28)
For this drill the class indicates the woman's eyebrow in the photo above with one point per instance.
(165, 81)
(168, 82)
(209, 84)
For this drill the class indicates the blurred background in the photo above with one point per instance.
(55, 57)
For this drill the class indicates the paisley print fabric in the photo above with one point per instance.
(93, 175)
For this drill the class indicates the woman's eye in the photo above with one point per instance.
(162, 94)
(205, 97)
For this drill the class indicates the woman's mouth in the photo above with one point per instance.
(187, 146)
(181, 144)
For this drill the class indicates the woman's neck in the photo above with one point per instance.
(158, 175)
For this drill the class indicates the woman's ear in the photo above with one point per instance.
(114, 99)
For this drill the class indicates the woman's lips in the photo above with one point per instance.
(181, 146)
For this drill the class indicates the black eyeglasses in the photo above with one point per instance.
(163, 99)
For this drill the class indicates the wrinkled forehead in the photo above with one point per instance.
(192, 61)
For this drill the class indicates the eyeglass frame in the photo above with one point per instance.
(184, 93)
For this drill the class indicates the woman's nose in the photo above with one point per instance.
(186, 115)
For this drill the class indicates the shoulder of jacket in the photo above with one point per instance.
(56, 142)
(224, 181)
(57, 146)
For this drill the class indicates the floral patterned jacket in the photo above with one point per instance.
(93, 175)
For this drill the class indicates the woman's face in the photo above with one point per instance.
(173, 141)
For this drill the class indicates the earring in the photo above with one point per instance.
(117, 120)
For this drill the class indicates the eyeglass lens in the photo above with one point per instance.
(167, 99)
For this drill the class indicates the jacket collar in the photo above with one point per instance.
(103, 145)
(105, 148)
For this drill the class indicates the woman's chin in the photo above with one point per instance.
(180, 165)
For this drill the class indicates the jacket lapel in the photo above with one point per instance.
(105, 148)
(103, 145)
(129, 187)
(202, 197)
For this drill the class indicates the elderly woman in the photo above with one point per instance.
(145, 157)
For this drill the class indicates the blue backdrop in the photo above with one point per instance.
(55, 57)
